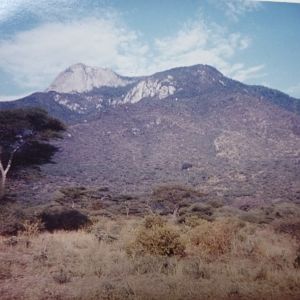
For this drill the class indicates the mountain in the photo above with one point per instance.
(81, 92)
(189, 126)
(80, 78)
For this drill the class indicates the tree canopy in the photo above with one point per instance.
(26, 133)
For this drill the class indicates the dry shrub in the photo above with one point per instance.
(5, 270)
(297, 260)
(32, 228)
(105, 230)
(171, 197)
(175, 193)
(193, 221)
(199, 210)
(154, 220)
(61, 277)
(212, 239)
(195, 269)
(272, 213)
(216, 203)
(156, 237)
(263, 244)
(74, 192)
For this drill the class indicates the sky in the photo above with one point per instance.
(256, 42)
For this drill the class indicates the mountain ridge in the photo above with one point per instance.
(176, 83)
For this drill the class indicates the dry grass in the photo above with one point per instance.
(224, 259)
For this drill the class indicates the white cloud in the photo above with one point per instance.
(13, 97)
(63, 8)
(34, 57)
(9, 7)
(283, 1)
(249, 73)
(236, 8)
(200, 43)
(294, 90)
(53, 8)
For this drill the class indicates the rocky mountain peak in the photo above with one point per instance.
(80, 78)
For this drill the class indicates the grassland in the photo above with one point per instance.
(153, 257)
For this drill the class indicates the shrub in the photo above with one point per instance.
(156, 237)
(153, 220)
(74, 192)
(200, 210)
(32, 228)
(174, 193)
(5, 270)
(61, 277)
(297, 261)
(170, 197)
(216, 203)
(61, 218)
(193, 221)
(213, 239)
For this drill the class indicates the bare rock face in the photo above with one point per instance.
(80, 78)
(151, 88)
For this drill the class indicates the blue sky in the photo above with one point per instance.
(252, 41)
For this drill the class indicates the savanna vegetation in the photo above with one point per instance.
(156, 257)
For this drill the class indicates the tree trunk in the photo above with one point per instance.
(4, 174)
(2, 185)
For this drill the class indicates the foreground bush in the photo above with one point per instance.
(214, 238)
(156, 237)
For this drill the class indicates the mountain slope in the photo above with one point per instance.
(188, 125)
(240, 148)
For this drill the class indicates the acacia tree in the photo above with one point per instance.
(4, 171)
(24, 139)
